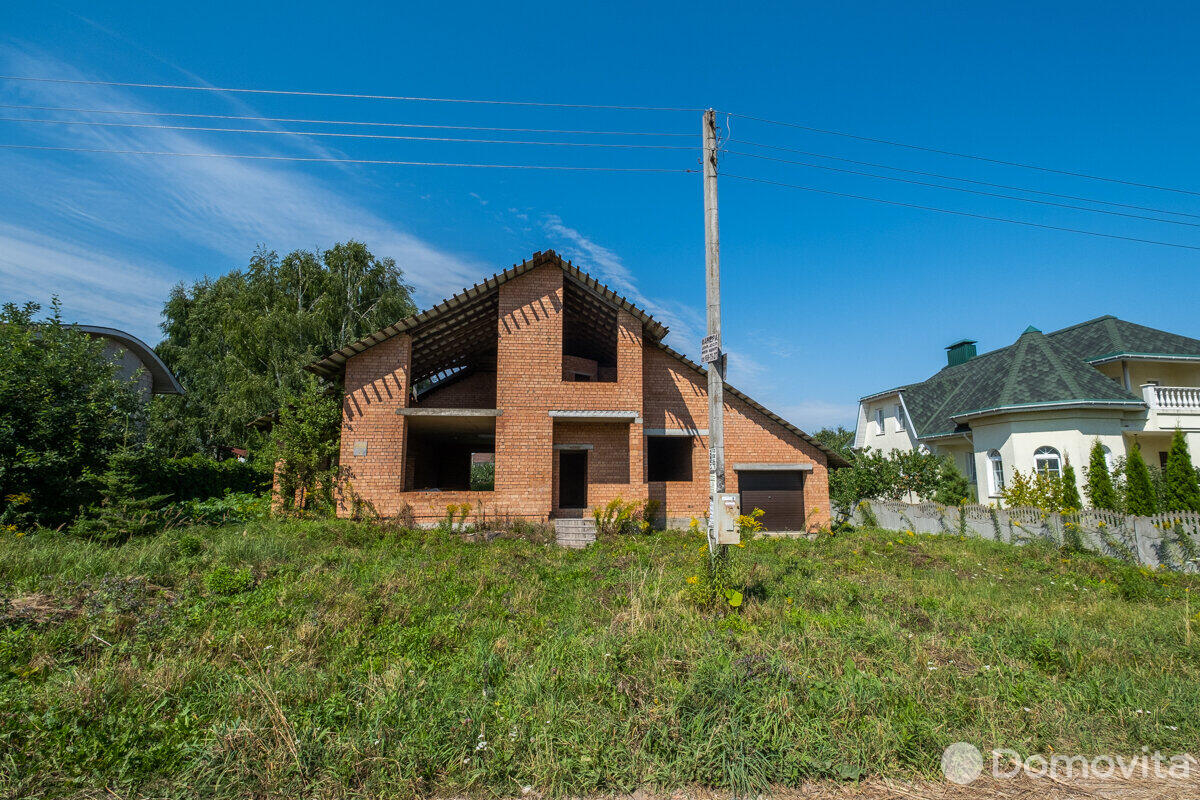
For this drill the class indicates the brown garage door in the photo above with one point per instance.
(780, 494)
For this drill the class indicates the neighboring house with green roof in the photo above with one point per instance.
(1042, 401)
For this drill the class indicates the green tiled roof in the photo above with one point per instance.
(1038, 369)
(1107, 337)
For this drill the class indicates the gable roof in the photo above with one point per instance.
(1039, 371)
(335, 362)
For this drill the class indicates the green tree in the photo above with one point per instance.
(63, 410)
(953, 488)
(898, 475)
(1139, 490)
(1071, 501)
(238, 343)
(836, 439)
(1099, 487)
(1181, 491)
(305, 446)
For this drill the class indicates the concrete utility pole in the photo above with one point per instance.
(710, 350)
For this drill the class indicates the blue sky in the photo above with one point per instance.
(826, 298)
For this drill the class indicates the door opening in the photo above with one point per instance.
(572, 479)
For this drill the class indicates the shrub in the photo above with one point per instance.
(1181, 491)
(483, 476)
(1139, 489)
(231, 508)
(619, 516)
(1099, 486)
(225, 580)
(199, 477)
(1071, 501)
(1040, 490)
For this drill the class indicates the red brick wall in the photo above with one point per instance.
(527, 386)
(477, 390)
(677, 397)
(377, 383)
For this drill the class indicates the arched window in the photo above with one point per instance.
(996, 473)
(1108, 458)
(1047, 461)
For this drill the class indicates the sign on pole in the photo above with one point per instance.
(710, 349)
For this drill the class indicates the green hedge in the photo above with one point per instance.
(198, 478)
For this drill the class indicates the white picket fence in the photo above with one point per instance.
(1169, 540)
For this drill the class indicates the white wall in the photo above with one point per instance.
(896, 433)
(1017, 436)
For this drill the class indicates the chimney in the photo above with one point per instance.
(960, 352)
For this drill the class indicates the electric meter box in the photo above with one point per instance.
(727, 514)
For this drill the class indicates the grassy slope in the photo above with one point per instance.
(329, 659)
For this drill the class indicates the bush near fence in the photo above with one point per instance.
(1170, 540)
(198, 478)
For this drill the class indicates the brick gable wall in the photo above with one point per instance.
(527, 386)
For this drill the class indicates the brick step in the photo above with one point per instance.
(574, 533)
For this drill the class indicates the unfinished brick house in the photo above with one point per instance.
(570, 389)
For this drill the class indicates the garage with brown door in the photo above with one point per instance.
(778, 489)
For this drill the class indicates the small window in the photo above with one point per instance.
(899, 417)
(996, 474)
(668, 458)
(1047, 461)
(879, 428)
(970, 460)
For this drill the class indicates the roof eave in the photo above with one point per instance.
(333, 364)
(1108, 358)
(834, 458)
(1049, 406)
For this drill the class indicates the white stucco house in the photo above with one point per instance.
(1042, 401)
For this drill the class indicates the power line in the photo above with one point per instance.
(341, 121)
(943, 176)
(350, 95)
(973, 157)
(958, 213)
(341, 134)
(343, 160)
(963, 189)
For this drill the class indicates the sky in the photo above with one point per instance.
(826, 298)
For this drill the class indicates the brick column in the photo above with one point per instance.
(377, 384)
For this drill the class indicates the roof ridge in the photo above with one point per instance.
(1081, 324)
(1061, 368)
(1014, 369)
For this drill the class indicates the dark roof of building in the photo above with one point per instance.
(162, 381)
(1107, 338)
(1039, 370)
(477, 297)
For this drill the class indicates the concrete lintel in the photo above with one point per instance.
(805, 467)
(449, 412)
(599, 416)
(677, 432)
(573, 447)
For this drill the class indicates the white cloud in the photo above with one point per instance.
(685, 322)
(108, 224)
(812, 415)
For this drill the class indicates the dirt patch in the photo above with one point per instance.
(35, 609)
(1019, 788)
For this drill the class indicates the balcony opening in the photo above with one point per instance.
(668, 458)
(589, 342)
(454, 358)
(450, 453)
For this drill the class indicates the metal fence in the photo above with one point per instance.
(1169, 540)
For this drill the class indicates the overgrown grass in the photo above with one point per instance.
(329, 659)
